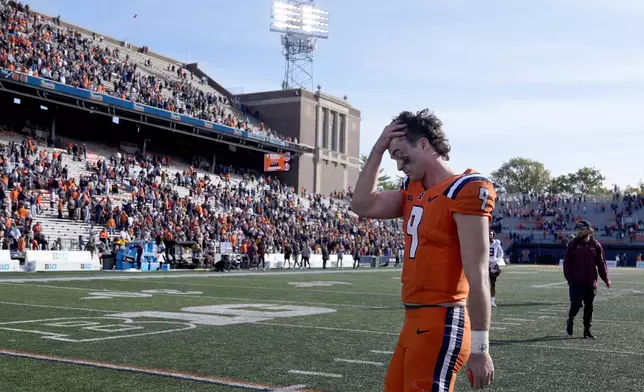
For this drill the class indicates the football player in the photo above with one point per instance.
(496, 254)
(446, 225)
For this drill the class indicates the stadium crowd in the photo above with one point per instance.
(36, 46)
(256, 214)
(555, 215)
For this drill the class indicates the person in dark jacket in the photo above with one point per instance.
(583, 260)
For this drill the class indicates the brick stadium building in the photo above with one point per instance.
(329, 124)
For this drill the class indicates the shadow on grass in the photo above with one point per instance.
(533, 340)
(518, 304)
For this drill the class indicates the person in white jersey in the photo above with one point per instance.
(496, 254)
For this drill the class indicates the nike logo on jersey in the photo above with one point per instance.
(431, 198)
(421, 331)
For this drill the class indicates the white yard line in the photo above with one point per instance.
(597, 350)
(504, 323)
(179, 275)
(359, 362)
(289, 289)
(545, 313)
(366, 331)
(549, 284)
(145, 370)
(57, 307)
(516, 319)
(321, 374)
(204, 296)
(381, 352)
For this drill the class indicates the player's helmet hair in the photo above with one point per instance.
(425, 124)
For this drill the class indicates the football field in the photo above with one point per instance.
(292, 331)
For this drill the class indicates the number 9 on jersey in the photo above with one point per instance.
(415, 216)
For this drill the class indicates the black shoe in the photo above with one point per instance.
(569, 330)
(589, 335)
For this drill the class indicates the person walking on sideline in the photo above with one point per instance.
(583, 260)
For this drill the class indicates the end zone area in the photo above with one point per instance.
(292, 331)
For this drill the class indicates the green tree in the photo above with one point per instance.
(588, 180)
(562, 184)
(522, 175)
(383, 179)
(631, 190)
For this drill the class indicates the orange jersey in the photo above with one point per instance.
(433, 269)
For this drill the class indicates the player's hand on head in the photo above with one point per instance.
(480, 370)
(391, 131)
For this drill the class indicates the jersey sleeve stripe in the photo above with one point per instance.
(451, 347)
(405, 185)
(456, 187)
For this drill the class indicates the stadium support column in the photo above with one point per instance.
(317, 165)
(336, 132)
(53, 127)
(329, 126)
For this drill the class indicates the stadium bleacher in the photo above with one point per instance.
(38, 45)
(549, 219)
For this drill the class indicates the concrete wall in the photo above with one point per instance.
(298, 114)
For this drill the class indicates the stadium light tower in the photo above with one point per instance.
(301, 25)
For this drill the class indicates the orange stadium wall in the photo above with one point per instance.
(327, 123)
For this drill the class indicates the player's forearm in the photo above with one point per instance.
(365, 190)
(479, 302)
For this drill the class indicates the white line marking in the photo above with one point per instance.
(597, 350)
(617, 322)
(57, 307)
(291, 388)
(381, 352)
(504, 323)
(328, 328)
(551, 310)
(306, 373)
(64, 338)
(517, 319)
(497, 328)
(141, 370)
(359, 362)
(204, 296)
(179, 275)
(288, 289)
(549, 284)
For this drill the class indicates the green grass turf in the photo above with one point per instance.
(530, 350)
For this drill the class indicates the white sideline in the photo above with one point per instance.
(149, 371)
(179, 275)
(307, 373)
(359, 362)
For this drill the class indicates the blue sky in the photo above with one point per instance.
(559, 81)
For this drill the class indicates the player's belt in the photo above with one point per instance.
(418, 306)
